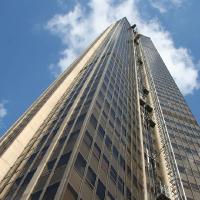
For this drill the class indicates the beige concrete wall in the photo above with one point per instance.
(15, 149)
(41, 167)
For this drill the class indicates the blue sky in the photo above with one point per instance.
(40, 38)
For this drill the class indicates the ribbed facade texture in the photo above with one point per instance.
(113, 126)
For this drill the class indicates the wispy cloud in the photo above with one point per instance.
(164, 5)
(3, 111)
(82, 24)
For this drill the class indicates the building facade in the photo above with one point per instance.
(113, 126)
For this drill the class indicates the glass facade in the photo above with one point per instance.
(177, 120)
(100, 139)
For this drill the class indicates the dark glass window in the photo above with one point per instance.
(128, 171)
(115, 152)
(73, 137)
(118, 123)
(122, 162)
(80, 164)
(197, 162)
(87, 139)
(105, 163)
(91, 94)
(134, 180)
(113, 174)
(128, 194)
(93, 121)
(31, 158)
(120, 185)
(91, 177)
(71, 193)
(70, 122)
(194, 186)
(109, 95)
(112, 113)
(97, 151)
(101, 190)
(107, 106)
(36, 195)
(111, 87)
(188, 198)
(80, 119)
(111, 124)
(28, 177)
(98, 105)
(104, 114)
(106, 80)
(181, 169)
(62, 140)
(51, 191)
(114, 104)
(110, 196)
(178, 156)
(117, 133)
(129, 139)
(44, 138)
(104, 87)
(123, 131)
(50, 164)
(18, 180)
(64, 159)
(100, 96)
(175, 145)
(101, 131)
(108, 143)
(44, 149)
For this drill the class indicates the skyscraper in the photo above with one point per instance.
(113, 126)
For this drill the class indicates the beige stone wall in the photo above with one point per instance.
(15, 149)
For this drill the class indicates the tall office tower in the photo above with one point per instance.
(113, 126)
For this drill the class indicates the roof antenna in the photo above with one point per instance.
(133, 26)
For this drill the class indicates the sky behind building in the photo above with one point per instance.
(39, 39)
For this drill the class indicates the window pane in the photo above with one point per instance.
(80, 119)
(128, 194)
(115, 153)
(62, 140)
(91, 177)
(110, 197)
(36, 195)
(122, 162)
(101, 131)
(108, 143)
(71, 193)
(97, 151)
(88, 139)
(28, 177)
(101, 190)
(105, 163)
(51, 191)
(113, 174)
(80, 164)
(120, 185)
(128, 171)
(50, 164)
(93, 121)
(64, 159)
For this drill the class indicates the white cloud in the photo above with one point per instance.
(164, 5)
(81, 25)
(3, 111)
